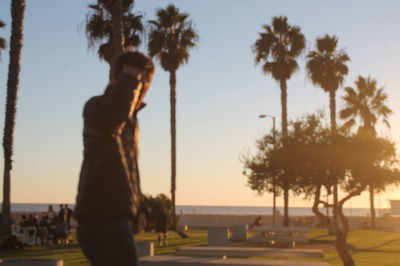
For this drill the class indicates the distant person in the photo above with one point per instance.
(62, 215)
(109, 197)
(32, 221)
(68, 215)
(23, 221)
(44, 229)
(51, 214)
(61, 234)
(161, 227)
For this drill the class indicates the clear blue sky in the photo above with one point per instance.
(220, 93)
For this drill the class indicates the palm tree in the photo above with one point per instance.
(366, 103)
(14, 67)
(276, 49)
(171, 36)
(326, 67)
(103, 28)
(2, 41)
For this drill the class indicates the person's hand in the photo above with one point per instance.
(137, 73)
(147, 78)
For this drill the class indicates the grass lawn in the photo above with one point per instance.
(367, 247)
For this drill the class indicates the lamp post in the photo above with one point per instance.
(273, 180)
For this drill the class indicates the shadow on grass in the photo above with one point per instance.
(374, 249)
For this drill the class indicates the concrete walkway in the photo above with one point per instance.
(249, 252)
(195, 261)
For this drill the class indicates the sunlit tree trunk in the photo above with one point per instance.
(172, 83)
(323, 219)
(14, 68)
(341, 240)
(342, 233)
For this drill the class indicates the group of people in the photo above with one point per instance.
(50, 227)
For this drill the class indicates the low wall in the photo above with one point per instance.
(355, 222)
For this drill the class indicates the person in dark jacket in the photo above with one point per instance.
(161, 227)
(109, 196)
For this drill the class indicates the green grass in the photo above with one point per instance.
(376, 248)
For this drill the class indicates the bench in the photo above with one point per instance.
(218, 234)
(196, 261)
(31, 262)
(249, 252)
(275, 235)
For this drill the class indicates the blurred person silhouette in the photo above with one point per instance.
(161, 227)
(51, 214)
(68, 215)
(109, 202)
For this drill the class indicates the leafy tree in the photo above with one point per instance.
(171, 37)
(326, 67)
(103, 30)
(366, 103)
(359, 158)
(156, 204)
(297, 165)
(309, 146)
(277, 49)
(14, 68)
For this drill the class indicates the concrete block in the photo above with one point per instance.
(239, 232)
(144, 249)
(218, 236)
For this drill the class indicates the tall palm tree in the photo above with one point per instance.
(103, 28)
(2, 41)
(366, 104)
(326, 67)
(14, 67)
(171, 36)
(277, 49)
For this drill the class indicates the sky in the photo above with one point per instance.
(220, 94)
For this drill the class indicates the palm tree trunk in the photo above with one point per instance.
(284, 134)
(286, 206)
(372, 206)
(323, 219)
(332, 106)
(117, 38)
(172, 83)
(14, 68)
(284, 108)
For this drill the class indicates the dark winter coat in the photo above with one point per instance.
(109, 186)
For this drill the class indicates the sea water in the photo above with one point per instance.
(228, 210)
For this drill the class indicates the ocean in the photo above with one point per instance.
(229, 210)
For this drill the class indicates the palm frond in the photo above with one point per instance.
(327, 44)
(348, 112)
(3, 43)
(277, 48)
(171, 36)
(326, 66)
(349, 124)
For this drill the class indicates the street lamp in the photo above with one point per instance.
(273, 180)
